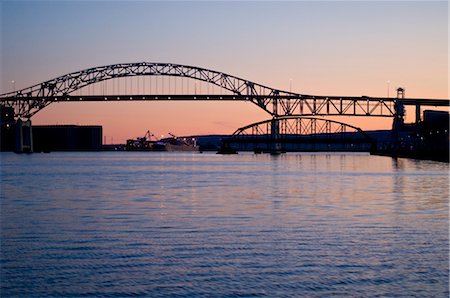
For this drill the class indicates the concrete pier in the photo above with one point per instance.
(24, 137)
(275, 137)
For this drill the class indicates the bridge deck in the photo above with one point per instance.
(226, 97)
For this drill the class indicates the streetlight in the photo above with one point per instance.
(14, 85)
(290, 85)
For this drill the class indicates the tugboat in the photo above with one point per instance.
(225, 148)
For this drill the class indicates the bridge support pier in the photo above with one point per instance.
(24, 137)
(418, 113)
(397, 126)
(275, 144)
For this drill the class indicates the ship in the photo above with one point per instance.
(173, 143)
(140, 143)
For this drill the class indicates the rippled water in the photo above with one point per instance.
(206, 225)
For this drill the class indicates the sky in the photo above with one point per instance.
(348, 48)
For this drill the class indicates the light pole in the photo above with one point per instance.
(14, 85)
(290, 85)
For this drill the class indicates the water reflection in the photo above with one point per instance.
(124, 224)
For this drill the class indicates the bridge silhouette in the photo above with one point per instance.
(295, 133)
(28, 101)
(277, 103)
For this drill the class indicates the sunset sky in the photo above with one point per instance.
(325, 48)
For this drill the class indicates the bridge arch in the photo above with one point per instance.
(28, 101)
(298, 125)
(294, 133)
(63, 86)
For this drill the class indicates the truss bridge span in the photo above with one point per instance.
(292, 133)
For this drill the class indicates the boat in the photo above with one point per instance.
(173, 143)
(140, 143)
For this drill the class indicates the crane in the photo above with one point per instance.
(148, 135)
(140, 143)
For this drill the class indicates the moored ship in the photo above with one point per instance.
(175, 143)
(171, 144)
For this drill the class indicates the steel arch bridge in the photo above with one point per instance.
(293, 133)
(28, 101)
(294, 125)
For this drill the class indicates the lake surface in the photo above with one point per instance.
(120, 224)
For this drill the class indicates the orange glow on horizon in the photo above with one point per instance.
(335, 48)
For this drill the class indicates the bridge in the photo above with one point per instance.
(28, 101)
(277, 103)
(291, 133)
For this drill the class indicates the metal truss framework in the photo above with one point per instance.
(28, 101)
(293, 133)
(294, 125)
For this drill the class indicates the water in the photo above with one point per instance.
(120, 224)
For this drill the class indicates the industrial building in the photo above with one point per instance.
(20, 136)
(66, 138)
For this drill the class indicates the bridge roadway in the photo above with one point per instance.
(292, 105)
